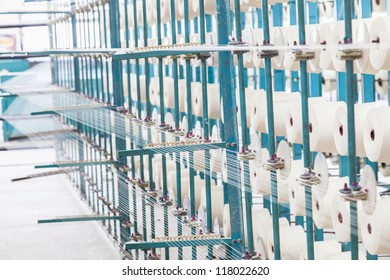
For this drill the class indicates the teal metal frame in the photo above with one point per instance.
(105, 154)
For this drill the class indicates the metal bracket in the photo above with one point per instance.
(114, 210)
(129, 115)
(127, 224)
(274, 163)
(165, 201)
(149, 122)
(346, 52)
(177, 132)
(179, 212)
(175, 56)
(309, 178)
(163, 127)
(353, 193)
(107, 203)
(189, 56)
(191, 223)
(270, 53)
(301, 54)
(136, 236)
(251, 255)
(246, 154)
(204, 55)
(139, 183)
(239, 43)
(137, 121)
(152, 193)
(154, 257)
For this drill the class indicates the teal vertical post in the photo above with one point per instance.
(149, 114)
(162, 115)
(368, 84)
(315, 85)
(271, 135)
(226, 78)
(206, 124)
(305, 132)
(123, 192)
(351, 130)
(177, 121)
(188, 75)
(341, 92)
(244, 129)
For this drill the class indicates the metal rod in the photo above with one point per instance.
(305, 131)
(351, 130)
(271, 134)
(244, 130)
(225, 71)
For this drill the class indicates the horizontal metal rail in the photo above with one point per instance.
(176, 244)
(81, 218)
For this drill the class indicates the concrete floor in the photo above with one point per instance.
(23, 203)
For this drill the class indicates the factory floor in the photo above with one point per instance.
(22, 203)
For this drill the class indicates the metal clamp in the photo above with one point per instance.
(204, 55)
(246, 154)
(250, 255)
(114, 210)
(257, 257)
(238, 43)
(96, 190)
(136, 236)
(174, 57)
(106, 202)
(127, 224)
(353, 193)
(274, 163)
(309, 178)
(124, 168)
(189, 56)
(270, 53)
(133, 181)
(164, 127)
(130, 115)
(301, 54)
(178, 132)
(138, 182)
(179, 212)
(142, 184)
(149, 122)
(165, 201)
(154, 257)
(191, 223)
(137, 121)
(151, 193)
(347, 52)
